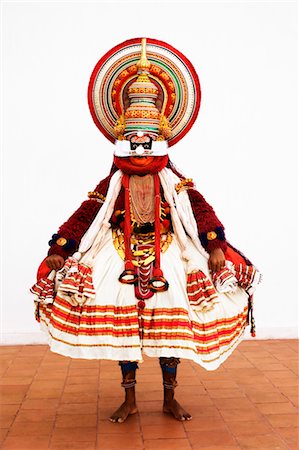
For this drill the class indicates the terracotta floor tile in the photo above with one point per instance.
(24, 360)
(47, 384)
(72, 445)
(172, 431)
(156, 418)
(206, 438)
(250, 401)
(3, 434)
(81, 388)
(217, 447)
(85, 397)
(115, 375)
(148, 396)
(205, 423)
(289, 435)
(266, 397)
(118, 393)
(10, 398)
(249, 428)
(34, 349)
(190, 381)
(286, 382)
(54, 357)
(147, 378)
(9, 409)
(283, 420)
(289, 390)
(43, 393)
(187, 390)
(248, 380)
(271, 366)
(151, 406)
(44, 374)
(74, 434)
(119, 441)
(74, 372)
(42, 428)
(243, 415)
(35, 415)
(238, 365)
(233, 403)
(261, 442)
(279, 374)
(225, 393)
(73, 420)
(263, 354)
(62, 445)
(13, 372)
(84, 363)
(294, 400)
(262, 387)
(26, 443)
(13, 389)
(82, 380)
(10, 349)
(166, 444)
(202, 400)
(4, 381)
(48, 404)
(6, 420)
(224, 384)
(77, 408)
(276, 408)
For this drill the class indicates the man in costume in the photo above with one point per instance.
(143, 266)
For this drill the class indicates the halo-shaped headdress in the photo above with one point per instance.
(144, 84)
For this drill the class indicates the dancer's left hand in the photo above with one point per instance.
(217, 260)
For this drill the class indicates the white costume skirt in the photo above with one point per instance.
(113, 327)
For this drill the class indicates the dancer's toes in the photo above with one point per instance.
(121, 414)
(179, 413)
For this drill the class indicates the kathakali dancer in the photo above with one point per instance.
(143, 266)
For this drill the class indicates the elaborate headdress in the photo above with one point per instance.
(144, 86)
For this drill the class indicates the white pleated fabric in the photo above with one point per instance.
(113, 327)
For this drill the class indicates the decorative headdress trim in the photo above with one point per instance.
(169, 68)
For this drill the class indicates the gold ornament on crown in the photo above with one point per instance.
(120, 127)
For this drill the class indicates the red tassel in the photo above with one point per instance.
(157, 221)
(157, 272)
(157, 283)
(129, 265)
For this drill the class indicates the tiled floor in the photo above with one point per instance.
(52, 402)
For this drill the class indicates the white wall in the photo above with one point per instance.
(241, 151)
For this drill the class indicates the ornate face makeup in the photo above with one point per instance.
(141, 144)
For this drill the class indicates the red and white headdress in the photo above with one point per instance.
(144, 86)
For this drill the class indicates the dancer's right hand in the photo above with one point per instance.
(55, 262)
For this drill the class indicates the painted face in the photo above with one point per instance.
(141, 145)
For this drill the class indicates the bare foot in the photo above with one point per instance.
(173, 407)
(123, 412)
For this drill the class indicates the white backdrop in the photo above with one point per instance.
(241, 150)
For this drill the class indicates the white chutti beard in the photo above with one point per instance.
(123, 149)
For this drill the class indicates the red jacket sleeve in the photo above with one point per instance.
(210, 229)
(66, 241)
